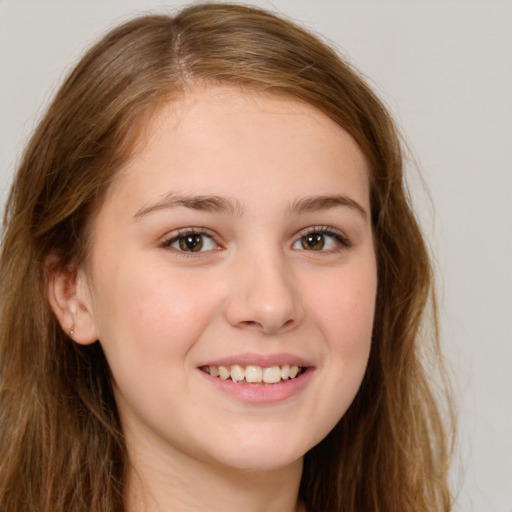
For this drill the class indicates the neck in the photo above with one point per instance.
(181, 483)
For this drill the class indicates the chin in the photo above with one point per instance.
(260, 462)
(259, 453)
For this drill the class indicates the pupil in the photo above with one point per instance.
(313, 241)
(191, 243)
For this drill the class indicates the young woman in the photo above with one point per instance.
(212, 285)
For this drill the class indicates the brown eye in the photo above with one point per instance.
(313, 241)
(191, 243)
(321, 239)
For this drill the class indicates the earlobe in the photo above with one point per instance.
(70, 300)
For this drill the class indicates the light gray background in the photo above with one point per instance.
(445, 70)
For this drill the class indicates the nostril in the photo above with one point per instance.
(249, 323)
(266, 327)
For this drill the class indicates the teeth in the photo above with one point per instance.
(237, 373)
(272, 375)
(254, 374)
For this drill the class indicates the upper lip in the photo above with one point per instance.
(263, 360)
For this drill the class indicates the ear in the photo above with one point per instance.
(70, 299)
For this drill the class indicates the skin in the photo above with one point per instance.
(254, 290)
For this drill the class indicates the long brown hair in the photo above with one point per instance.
(61, 445)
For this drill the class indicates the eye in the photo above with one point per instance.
(321, 239)
(191, 241)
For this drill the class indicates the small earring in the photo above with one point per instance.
(70, 332)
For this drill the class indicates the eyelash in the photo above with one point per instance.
(340, 238)
(174, 237)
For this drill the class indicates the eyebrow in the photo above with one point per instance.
(231, 206)
(326, 202)
(212, 204)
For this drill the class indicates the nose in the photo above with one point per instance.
(264, 296)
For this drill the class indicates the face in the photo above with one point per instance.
(232, 279)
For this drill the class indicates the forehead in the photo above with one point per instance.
(227, 136)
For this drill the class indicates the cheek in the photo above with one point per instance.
(154, 314)
(344, 311)
(150, 323)
(348, 299)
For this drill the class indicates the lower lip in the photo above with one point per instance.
(261, 394)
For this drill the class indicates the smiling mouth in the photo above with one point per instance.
(254, 374)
